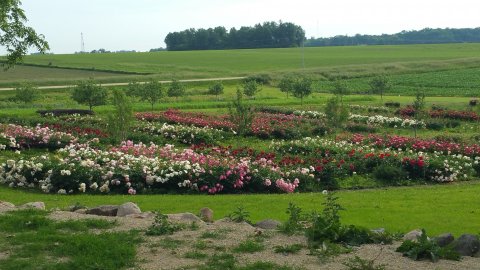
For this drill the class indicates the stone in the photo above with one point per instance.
(144, 215)
(467, 245)
(34, 205)
(268, 224)
(103, 210)
(128, 208)
(6, 206)
(206, 214)
(444, 239)
(378, 231)
(184, 217)
(413, 235)
(82, 211)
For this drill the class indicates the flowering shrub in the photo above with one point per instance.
(310, 114)
(186, 118)
(379, 120)
(455, 115)
(16, 137)
(183, 134)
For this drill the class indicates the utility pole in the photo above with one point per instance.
(82, 43)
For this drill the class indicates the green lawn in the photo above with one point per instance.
(439, 208)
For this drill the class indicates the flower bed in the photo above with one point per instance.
(18, 137)
(379, 120)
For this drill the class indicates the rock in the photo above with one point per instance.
(141, 215)
(82, 211)
(6, 206)
(103, 210)
(74, 208)
(467, 245)
(34, 205)
(378, 231)
(268, 224)
(184, 217)
(413, 235)
(128, 208)
(206, 214)
(444, 239)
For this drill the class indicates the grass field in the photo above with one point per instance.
(396, 209)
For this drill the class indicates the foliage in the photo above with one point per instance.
(262, 79)
(251, 88)
(358, 263)
(249, 246)
(379, 85)
(151, 91)
(239, 215)
(286, 84)
(26, 93)
(120, 121)
(14, 35)
(418, 108)
(266, 35)
(176, 89)
(340, 89)
(288, 249)
(336, 113)
(90, 94)
(162, 226)
(425, 248)
(216, 89)
(241, 114)
(293, 224)
(302, 87)
(389, 173)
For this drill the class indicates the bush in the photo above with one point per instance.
(90, 94)
(434, 125)
(425, 248)
(60, 112)
(389, 173)
(392, 104)
(473, 102)
(26, 93)
(356, 127)
(263, 79)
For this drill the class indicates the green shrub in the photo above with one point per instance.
(389, 173)
(239, 215)
(162, 226)
(293, 224)
(425, 248)
(358, 263)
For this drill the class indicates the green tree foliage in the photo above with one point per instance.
(286, 84)
(26, 93)
(419, 109)
(340, 89)
(379, 85)
(14, 35)
(241, 114)
(336, 112)
(176, 89)
(251, 88)
(216, 89)
(120, 121)
(424, 36)
(302, 87)
(90, 94)
(151, 92)
(266, 35)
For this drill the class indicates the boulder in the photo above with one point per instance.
(184, 217)
(206, 214)
(34, 205)
(268, 224)
(467, 245)
(143, 215)
(413, 235)
(6, 206)
(103, 210)
(444, 239)
(378, 231)
(82, 211)
(128, 208)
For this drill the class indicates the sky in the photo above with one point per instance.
(143, 24)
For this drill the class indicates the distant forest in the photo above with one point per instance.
(424, 36)
(266, 35)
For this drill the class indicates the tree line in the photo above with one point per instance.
(424, 36)
(266, 35)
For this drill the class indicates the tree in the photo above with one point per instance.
(133, 89)
(14, 35)
(120, 121)
(251, 88)
(379, 85)
(418, 107)
(302, 87)
(216, 89)
(340, 89)
(26, 93)
(151, 92)
(176, 89)
(90, 94)
(336, 113)
(286, 84)
(241, 114)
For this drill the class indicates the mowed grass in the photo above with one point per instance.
(51, 76)
(438, 208)
(224, 63)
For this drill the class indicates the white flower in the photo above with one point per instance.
(325, 192)
(62, 191)
(82, 187)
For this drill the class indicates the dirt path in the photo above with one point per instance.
(124, 84)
